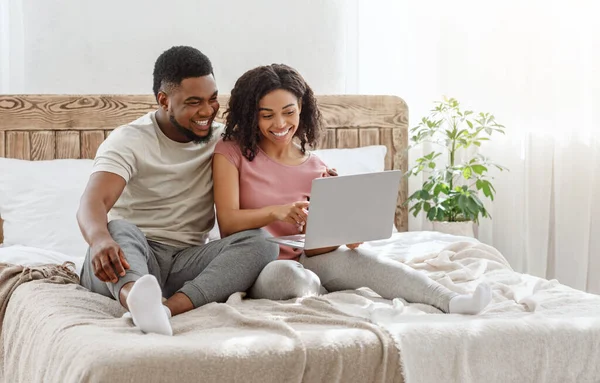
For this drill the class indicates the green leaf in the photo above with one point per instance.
(440, 215)
(470, 124)
(479, 169)
(472, 206)
(416, 209)
(426, 206)
(467, 172)
(414, 195)
(479, 184)
(432, 165)
(486, 190)
(462, 203)
(431, 214)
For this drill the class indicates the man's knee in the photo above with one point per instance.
(264, 251)
(122, 229)
(120, 226)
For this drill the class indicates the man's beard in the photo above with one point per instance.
(191, 135)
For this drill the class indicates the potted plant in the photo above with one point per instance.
(455, 173)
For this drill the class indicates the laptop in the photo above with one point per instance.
(348, 209)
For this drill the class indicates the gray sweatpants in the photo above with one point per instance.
(208, 273)
(346, 270)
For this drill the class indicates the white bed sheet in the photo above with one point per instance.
(33, 256)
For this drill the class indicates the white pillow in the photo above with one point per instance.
(355, 160)
(39, 201)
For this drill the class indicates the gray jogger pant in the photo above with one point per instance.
(347, 270)
(207, 273)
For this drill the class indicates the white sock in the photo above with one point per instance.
(127, 315)
(145, 304)
(471, 304)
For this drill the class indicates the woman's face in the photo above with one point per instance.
(279, 116)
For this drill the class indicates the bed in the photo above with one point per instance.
(535, 330)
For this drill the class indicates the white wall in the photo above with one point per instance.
(110, 46)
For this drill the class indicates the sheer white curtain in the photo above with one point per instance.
(535, 66)
(11, 46)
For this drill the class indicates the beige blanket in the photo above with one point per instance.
(66, 334)
(534, 331)
(13, 276)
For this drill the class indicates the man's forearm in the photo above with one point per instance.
(93, 222)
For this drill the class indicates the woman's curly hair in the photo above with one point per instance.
(241, 116)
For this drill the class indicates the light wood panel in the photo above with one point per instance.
(368, 136)
(2, 144)
(67, 145)
(105, 112)
(43, 127)
(347, 138)
(43, 145)
(90, 140)
(328, 139)
(18, 145)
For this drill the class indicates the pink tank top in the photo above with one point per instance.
(266, 182)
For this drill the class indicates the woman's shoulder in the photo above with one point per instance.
(227, 146)
(315, 159)
(231, 150)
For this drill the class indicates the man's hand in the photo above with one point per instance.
(107, 257)
(353, 246)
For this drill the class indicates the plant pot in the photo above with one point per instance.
(464, 228)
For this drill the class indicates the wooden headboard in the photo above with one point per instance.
(46, 127)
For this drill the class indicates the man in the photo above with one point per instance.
(153, 178)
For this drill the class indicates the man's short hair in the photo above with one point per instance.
(178, 63)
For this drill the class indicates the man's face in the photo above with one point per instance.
(192, 107)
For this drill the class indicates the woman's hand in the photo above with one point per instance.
(295, 213)
(353, 246)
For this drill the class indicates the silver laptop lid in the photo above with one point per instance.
(352, 208)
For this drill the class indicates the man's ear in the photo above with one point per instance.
(163, 100)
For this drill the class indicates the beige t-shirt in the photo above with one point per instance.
(169, 191)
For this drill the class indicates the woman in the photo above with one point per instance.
(262, 179)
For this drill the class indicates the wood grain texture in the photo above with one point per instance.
(104, 112)
(68, 145)
(358, 111)
(64, 112)
(347, 138)
(328, 139)
(368, 136)
(400, 161)
(90, 141)
(73, 126)
(18, 145)
(386, 138)
(43, 145)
